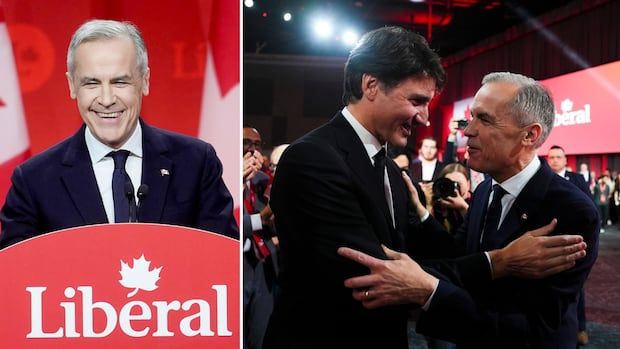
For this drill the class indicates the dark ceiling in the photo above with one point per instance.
(454, 25)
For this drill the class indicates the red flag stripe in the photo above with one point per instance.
(6, 169)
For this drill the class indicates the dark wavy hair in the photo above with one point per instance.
(391, 54)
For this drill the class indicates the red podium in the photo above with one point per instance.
(121, 286)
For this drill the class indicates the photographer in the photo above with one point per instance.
(451, 195)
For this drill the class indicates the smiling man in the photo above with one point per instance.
(333, 189)
(89, 178)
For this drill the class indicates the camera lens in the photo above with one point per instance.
(444, 187)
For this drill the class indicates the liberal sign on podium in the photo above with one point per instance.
(121, 286)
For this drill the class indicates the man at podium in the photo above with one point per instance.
(116, 168)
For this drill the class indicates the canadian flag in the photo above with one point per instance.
(14, 144)
(221, 98)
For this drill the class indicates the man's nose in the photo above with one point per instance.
(422, 116)
(107, 97)
(469, 131)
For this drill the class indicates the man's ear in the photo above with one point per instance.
(145, 82)
(370, 86)
(533, 134)
(72, 91)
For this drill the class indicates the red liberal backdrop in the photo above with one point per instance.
(41, 30)
(587, 104)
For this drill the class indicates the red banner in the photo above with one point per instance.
(586, 106)
(121, 286)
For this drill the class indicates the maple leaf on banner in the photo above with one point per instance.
(139, 277)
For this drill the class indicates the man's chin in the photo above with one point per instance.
(398, 141)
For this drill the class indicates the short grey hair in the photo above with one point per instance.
(532, 103)
(99, 29)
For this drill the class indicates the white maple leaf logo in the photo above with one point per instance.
(566, 105)
(139, 277)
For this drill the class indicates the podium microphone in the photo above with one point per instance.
(143, 191)
(132, 201)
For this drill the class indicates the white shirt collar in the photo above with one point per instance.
(515, 184)
(98, 150)
(371, 143)
(562, 173)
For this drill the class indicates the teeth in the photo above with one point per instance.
(109, 115)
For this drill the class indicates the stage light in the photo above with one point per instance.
(323, 28)
(248, 3)
(349, 37)
(287, 16)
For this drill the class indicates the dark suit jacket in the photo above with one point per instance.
(517, 313)
(416, 170)
(578, 180)
(325, 195)
(57, 189)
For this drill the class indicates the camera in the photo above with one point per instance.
(444, 187)
(461, 124)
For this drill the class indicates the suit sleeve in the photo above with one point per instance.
(216, 203)
(443, 254)
(18, 215)
(515, 312)
(449, 155)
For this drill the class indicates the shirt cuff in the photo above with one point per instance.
(257, 223)
(425, 217)
(490, 264)
(428, 302)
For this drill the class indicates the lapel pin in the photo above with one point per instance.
(164, 172)
(524, 217)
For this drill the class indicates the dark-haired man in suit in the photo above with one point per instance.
(334, 187)
(85, 179)
(556, 158)
(427, 166)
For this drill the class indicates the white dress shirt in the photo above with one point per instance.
(428, 168)
(372, 146)
(104, 166)
(513, 187)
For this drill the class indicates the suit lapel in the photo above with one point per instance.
(157, 169)
(357, 159)
(477, 211)
(80, 181)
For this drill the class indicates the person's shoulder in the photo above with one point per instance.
(50, 157)
(417, 162)
(565, 193)
(177, 139)
(177, 144)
